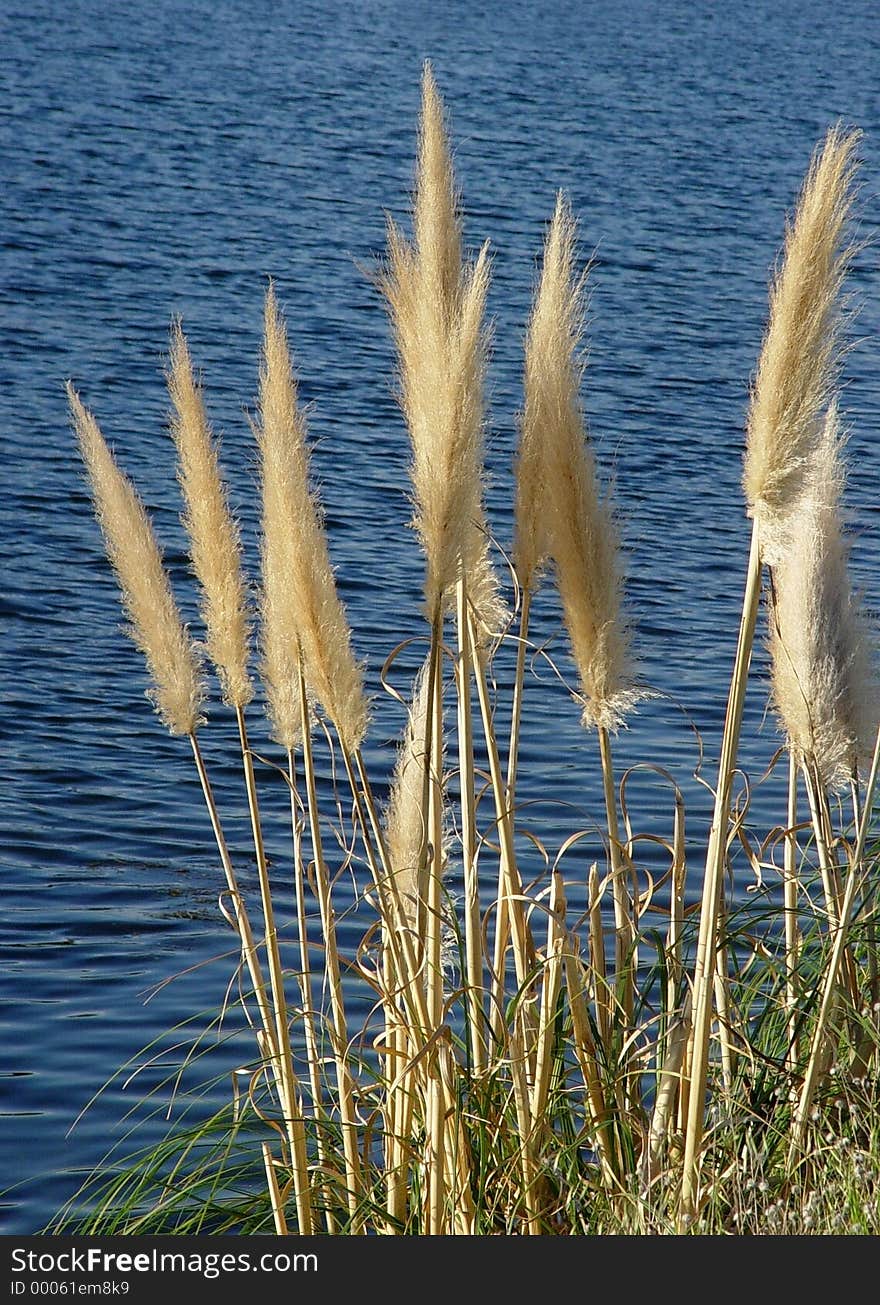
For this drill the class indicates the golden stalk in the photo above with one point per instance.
(305, 980)
(624, 927)
(517, 700)
(273, 952)
(517, 1059)
(434, 905)
(473, 932)
(550, 988)
(338, 1023)
(436, 1186)
(458, 1167)
(275, 1195)
(710, 909)
(790, 906)
(585, 1051)
(267, 1033)
(407, 964)
(598, 965)
(667, 1091)
(510, 914)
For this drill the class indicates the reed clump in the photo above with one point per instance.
(514, 1074)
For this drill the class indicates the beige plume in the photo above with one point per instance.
(559, 511)
(214, 536)
(801, 354)
(823, 688)
(437, 305)
(300, 606)
(156, 626)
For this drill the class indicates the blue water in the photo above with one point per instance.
(163, 159)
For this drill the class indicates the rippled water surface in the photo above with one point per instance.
(164, 159)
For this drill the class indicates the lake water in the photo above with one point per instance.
(167, 159)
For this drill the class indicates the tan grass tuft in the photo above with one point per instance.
(802, 350)
(300, 606)
(560, 513)
(437, 305)
(156, 626)
(822, 684)
(214, 536)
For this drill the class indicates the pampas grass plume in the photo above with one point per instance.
(802, 349)
(156, 626)
(823, 688)
(301, 608)
(559, 511)
(437, 306)
(214, 536)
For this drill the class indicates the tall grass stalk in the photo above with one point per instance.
(436, 302)
(467, 782)
(307, 1013)
(799, 363)
(790, 906)
(338, 1028)
(574, 529)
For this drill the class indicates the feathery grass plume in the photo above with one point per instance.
(437, 303)
(559, 511)
(553, 374)
(301, 608)
(156, 626)
(822, 683)
(214, 537)
(280, 647)
(405, 820)
(802, 350)
(797, 371)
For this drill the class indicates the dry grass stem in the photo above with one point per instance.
(797, 370)
(406, 821)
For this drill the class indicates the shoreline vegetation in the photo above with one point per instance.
(668, 1060)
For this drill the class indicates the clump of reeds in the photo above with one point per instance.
(541, 1088)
